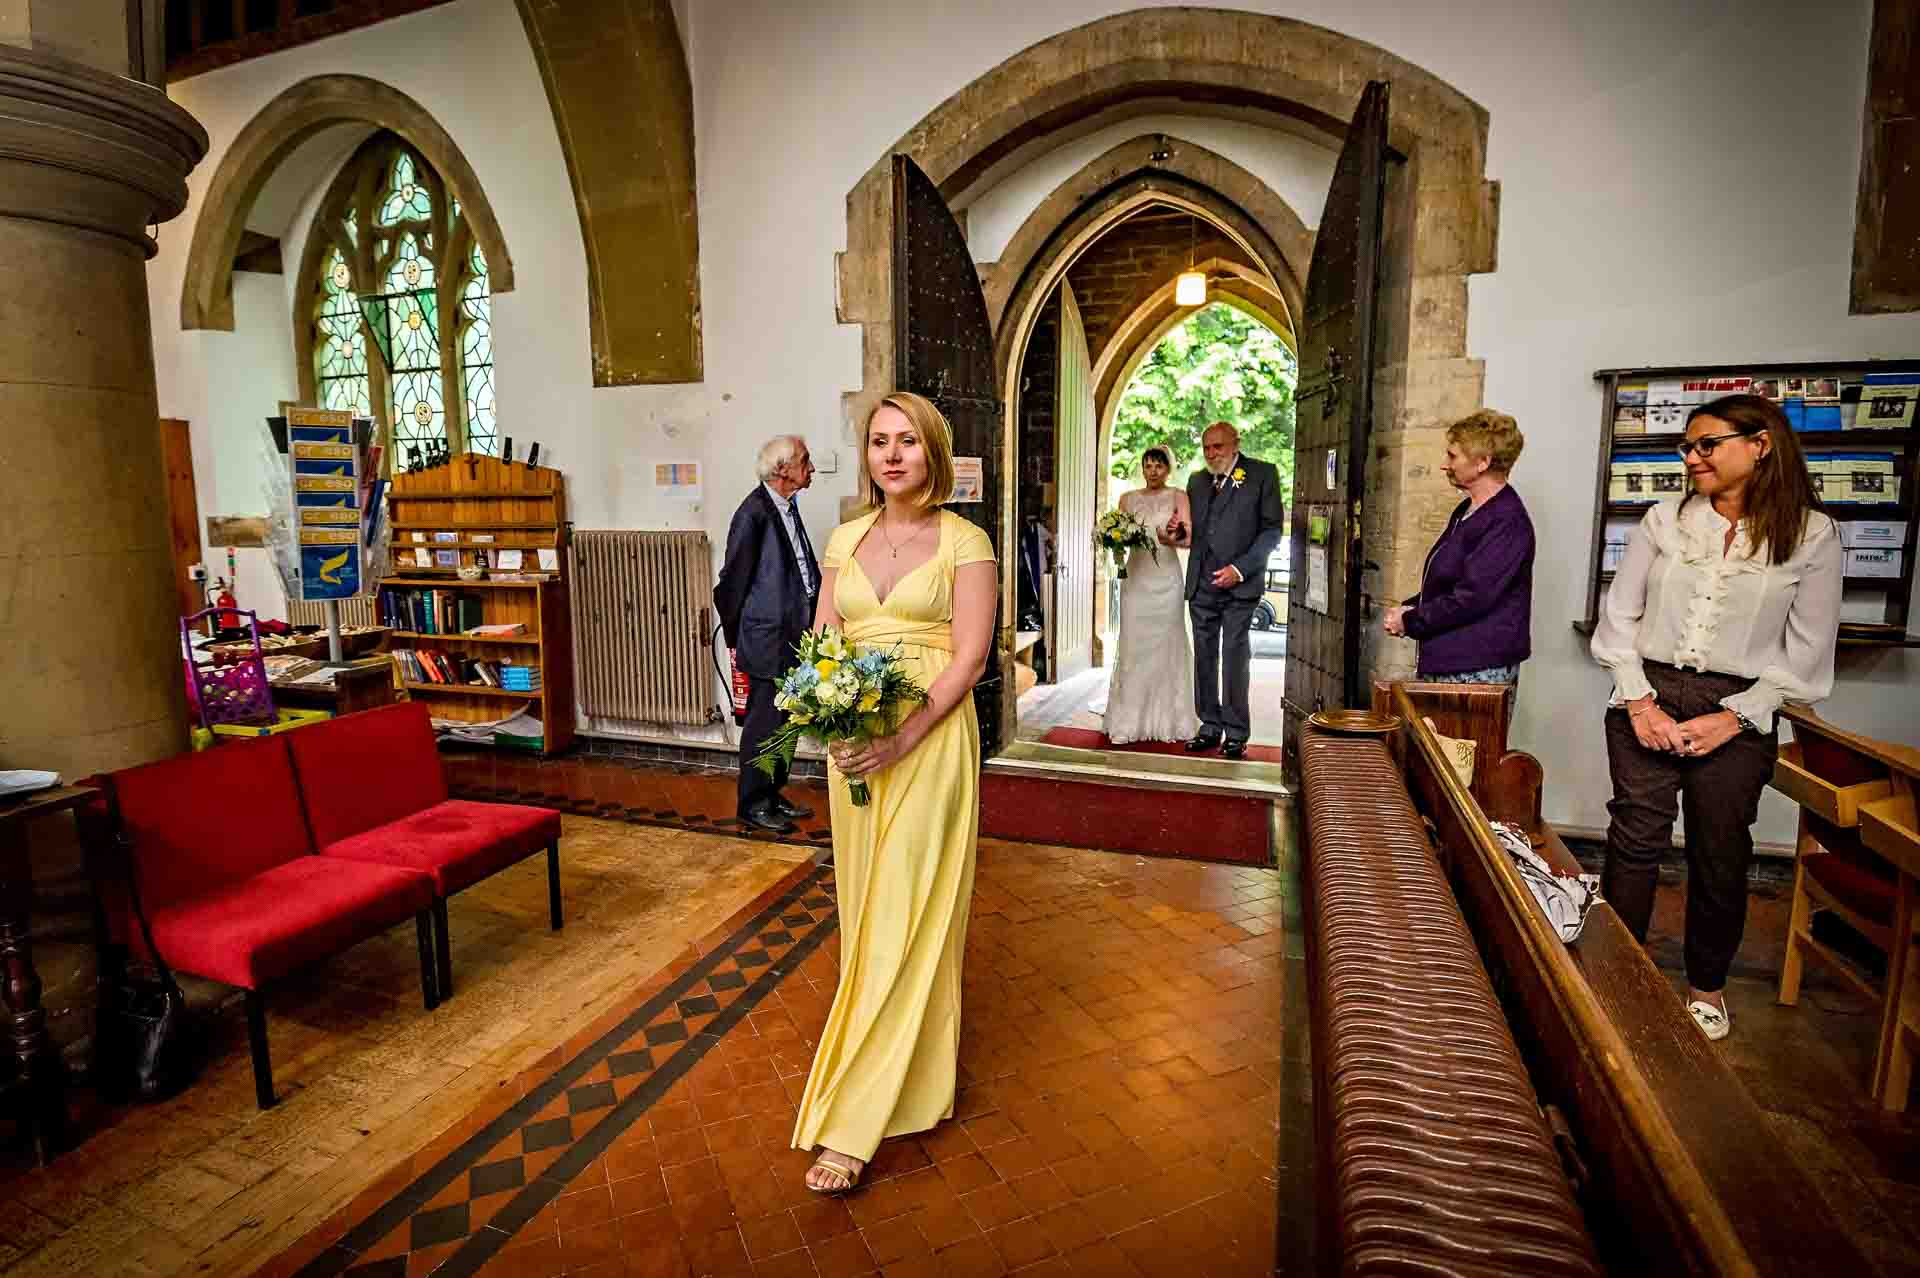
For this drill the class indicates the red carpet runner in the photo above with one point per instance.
(1088, 739)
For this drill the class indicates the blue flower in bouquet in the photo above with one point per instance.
(837, 691)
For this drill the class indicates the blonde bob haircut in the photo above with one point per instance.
(1494, 436)
(936, 437)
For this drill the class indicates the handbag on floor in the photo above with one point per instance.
(1565, 901)
(148, 1043)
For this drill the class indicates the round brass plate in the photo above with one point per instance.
(1357, 721)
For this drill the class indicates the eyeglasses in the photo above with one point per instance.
(1707, 443)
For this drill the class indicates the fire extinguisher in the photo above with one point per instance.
(740, 689)
(225, 601)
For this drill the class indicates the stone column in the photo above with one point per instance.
(89, 672)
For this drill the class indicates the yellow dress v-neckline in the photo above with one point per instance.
(940, 537)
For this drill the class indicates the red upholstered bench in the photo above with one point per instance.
(375, 793)
(230, 884)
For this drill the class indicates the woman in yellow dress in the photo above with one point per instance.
(912, 574)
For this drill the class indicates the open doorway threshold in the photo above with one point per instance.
(1123, 801)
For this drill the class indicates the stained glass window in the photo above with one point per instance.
(476, 357)
(340, 344)
(402, 308)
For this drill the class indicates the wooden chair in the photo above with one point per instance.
(1855, 858)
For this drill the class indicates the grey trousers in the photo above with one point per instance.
(1222, 661)
(1718, 798)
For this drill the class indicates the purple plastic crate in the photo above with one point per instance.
(227, 692)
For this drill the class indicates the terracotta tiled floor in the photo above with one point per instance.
(1134, 1101)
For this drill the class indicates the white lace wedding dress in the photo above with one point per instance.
(1150, 697)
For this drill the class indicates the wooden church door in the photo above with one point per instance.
(1333, 426)
(943, 349)
(1075, 435)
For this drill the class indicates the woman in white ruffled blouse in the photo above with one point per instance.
(1726, 605)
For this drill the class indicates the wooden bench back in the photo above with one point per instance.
(1682, 1173)
(1506, 783)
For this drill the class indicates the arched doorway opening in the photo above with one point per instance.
(1222, 360)
(1436, 227)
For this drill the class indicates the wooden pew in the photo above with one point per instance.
(1676, 1166)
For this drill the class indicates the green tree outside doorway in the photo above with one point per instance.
(1218, 364)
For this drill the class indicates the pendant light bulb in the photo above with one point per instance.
(1190, 288)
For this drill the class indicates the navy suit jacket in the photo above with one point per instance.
(1241, 525)
(763, 606)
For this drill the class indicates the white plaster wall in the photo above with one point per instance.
(1678, 186)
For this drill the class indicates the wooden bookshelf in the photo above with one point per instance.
(1893, 594)
(521, 508)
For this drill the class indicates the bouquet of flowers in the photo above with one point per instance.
(838, 692)
(1119, 532)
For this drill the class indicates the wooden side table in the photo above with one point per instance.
(1864, 790)
(365, 684)
(37, 1089)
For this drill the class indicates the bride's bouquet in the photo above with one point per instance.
(838, 692)
(1119, 533)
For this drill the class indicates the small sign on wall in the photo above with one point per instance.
(677, 479)
(969, 480)
(1317, 578)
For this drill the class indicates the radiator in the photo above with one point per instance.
(642, 609)
(357, 611)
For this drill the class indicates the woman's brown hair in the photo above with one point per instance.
(936, 437)
(1781, 492)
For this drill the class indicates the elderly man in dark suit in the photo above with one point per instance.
(765, 597)
(1238, 515)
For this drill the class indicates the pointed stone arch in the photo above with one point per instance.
(1288, 243)
(321, 102)
(1075, 230)
(1440, 220)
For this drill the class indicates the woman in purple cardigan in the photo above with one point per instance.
(1473, 616)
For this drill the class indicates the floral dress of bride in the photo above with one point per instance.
(1150, 697)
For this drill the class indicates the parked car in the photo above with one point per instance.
(1271, 612)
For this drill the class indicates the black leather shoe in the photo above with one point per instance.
(789, 809)
(1234, 750)
(769, 820)
(1205, 743)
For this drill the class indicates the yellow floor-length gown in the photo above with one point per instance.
(903, 867)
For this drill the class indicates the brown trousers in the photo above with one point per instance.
(1720, 797)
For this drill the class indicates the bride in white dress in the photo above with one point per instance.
(1151, 695)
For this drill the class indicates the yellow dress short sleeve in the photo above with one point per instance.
(970, 544)
(840, 545)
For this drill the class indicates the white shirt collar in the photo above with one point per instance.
(784, 503)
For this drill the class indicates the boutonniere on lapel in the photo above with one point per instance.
(1239, 476)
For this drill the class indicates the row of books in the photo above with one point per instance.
(1875, 401)
(1869, 479)
(432, 612)
(425, 665)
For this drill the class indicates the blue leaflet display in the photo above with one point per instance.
(326, 495)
